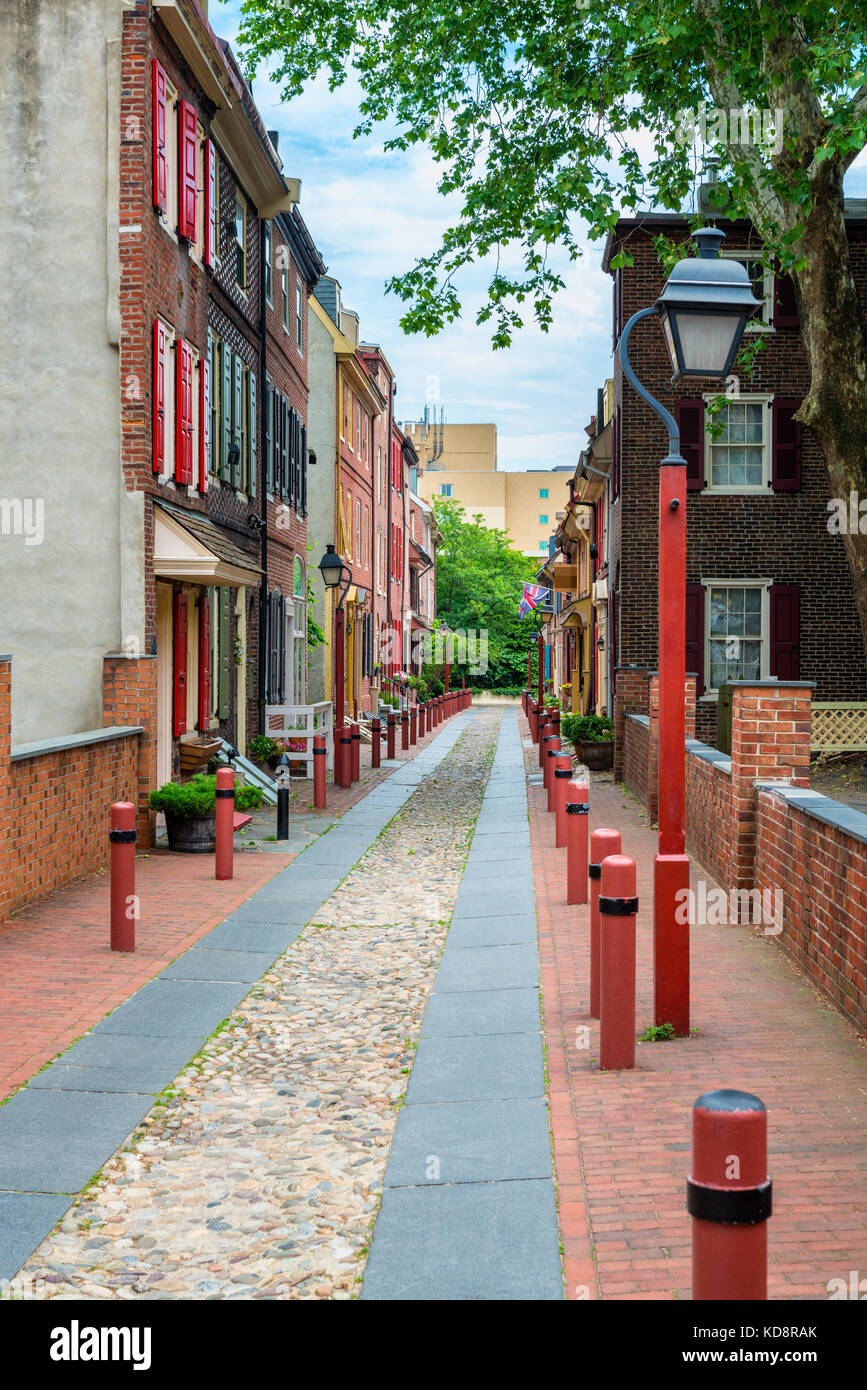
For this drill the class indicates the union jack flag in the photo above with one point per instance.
(533, 595)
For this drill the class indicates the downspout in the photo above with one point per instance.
(262, 398)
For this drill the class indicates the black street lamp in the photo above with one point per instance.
(334, 571)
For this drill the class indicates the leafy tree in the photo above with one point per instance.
(532, 106)
(480, 578)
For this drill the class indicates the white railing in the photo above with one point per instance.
(301, 724)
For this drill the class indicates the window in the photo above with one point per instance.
(169, 217)
(358, 547)
(284, 277)
(762, 281)
(446, 489)
(543, 492)
(379, 472)
(269, 263)
(345, 433)
(164, 388)
(197, 247)
(240, 243)
(737, 631)
(214, 434)
(379, 549)
(543, 520)
(738, 456)
(366, 537)
(543, 545)
(299, 314)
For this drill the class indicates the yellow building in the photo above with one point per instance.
(460, 462)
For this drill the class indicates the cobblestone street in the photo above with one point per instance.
(259, 1172)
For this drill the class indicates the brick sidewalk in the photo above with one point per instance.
(622, 1140)
(58, 975)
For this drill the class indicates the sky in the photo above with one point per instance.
(371, 213)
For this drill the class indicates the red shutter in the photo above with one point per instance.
(188, 153)
(179, 702)
(183, 412)
(690, 420)
(695, 633)
(785, 632)
(210, 203)
(204, 662)
(204, 422)
(615, 453)
(159, 136)
(785, 304)
(786, 465)
(159, 397)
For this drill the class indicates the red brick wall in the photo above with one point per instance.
(823, 874)
(631, 697)
(770, 739)
(635, 753)
(709, 817)
(129, 697)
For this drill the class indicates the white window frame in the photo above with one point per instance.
(711, 692)
(197, 248)
(765, 320)
(167, 476)
(193, 487)
(443, 487)
(763, 489)
(299, 311)
(169, 218)
(269, 263)
(241, 202)
(284, 279)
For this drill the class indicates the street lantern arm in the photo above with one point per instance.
(674, 454)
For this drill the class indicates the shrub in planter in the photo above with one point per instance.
(261, 747)
(594, 735)
(191, 811)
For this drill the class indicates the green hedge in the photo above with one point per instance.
(198, 797)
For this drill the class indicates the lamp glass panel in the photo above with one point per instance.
(706, 341)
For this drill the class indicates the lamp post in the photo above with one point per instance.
(703, 310)
(334, 571)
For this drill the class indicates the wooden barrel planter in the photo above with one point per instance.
(597, 756)
(192, 834)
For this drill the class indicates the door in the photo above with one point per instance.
(164, 684)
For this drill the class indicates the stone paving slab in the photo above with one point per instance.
(145, 1080)
(153, 1056)
(508, 967)
(505, 1066)
(472, 1241)
(171, 1008)
(481, 1011)
(500, 1140)
(470, 932)
(54, 1141)
(250, 933)
(24, 1219)
(207, 964)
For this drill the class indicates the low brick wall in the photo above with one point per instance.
(636, 754)
(815, 851)
(709, 809)
(56, 812)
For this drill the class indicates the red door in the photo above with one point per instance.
(179, 702)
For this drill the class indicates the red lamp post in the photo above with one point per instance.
(333, 572)
(703, 310)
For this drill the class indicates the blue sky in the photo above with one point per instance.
(371, 213)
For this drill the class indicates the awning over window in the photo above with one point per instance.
(192, 548)
(577, 614)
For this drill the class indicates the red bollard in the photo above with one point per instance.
(602, 844)
(355, 733)
(421, 709)
(225, 822)
(390, 727)
(345, 756)
(404, 730)
(124, 904)
(729, 1197)
(532, 719)
(413, 725)
(560, 782)
(554, 718)
(544, 731)
(320, 753)
(618, 907)
(552, 751)
(376, 742)
(576, 814)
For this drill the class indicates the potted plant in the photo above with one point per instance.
(265, 752)
(191, 811)
(593, 736)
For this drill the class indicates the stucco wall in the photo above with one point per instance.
(321, 425)
(60, 597)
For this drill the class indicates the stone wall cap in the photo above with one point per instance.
(640, 719)
(64, 741)
(5, 656)
(775, 684)
(708, 755)
(834, 813)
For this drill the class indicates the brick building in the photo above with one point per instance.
(768, 588)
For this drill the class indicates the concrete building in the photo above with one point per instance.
(460, 462)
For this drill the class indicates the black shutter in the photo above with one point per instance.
(298, 462)
(269, 437)
(785, 654)
(303, 495)
(785, 304)
(695, 634)
(615, 453)
(290, 481)
(284, 444)
(281, 647)
(786, 445)
(689, 415)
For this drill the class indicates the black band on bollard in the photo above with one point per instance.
(347, 738)
(594, 870)
(579, 808)
(122, 837)
(223, 793)
(618, 907)
(319, 752)
(562, 772)
(355, 735)
(734, 1206)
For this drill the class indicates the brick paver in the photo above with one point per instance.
(58, 975)
(622, 1140)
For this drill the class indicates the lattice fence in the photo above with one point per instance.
(839, 727)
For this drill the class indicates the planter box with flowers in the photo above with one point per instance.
(191, 811)
(593, 736)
